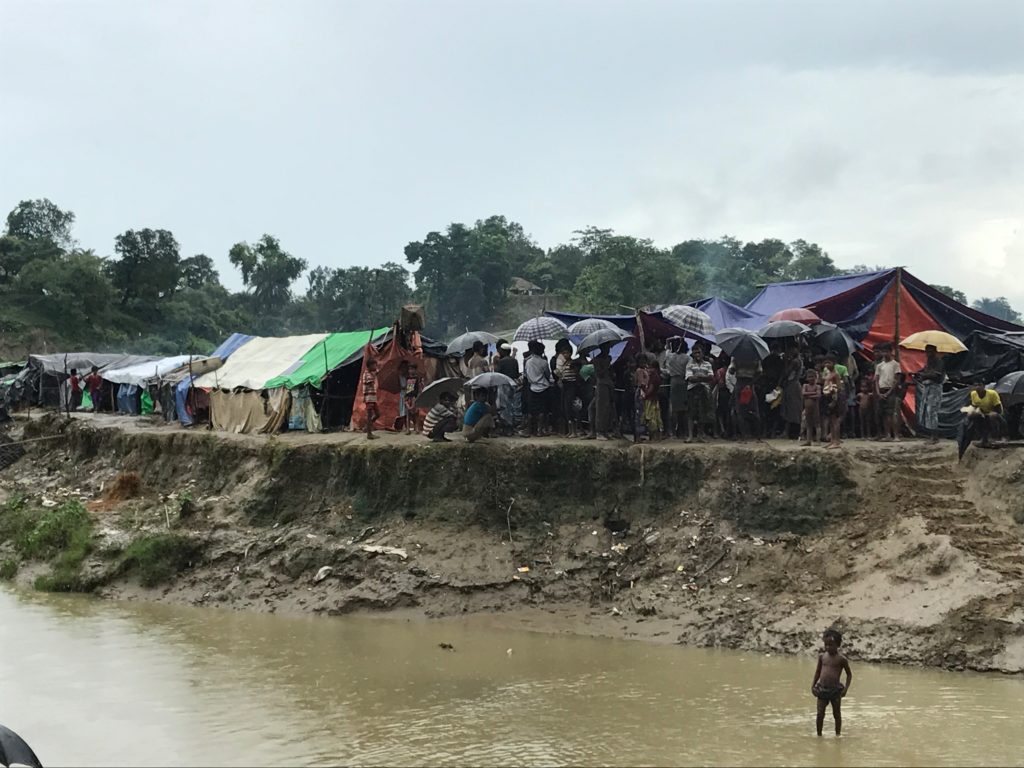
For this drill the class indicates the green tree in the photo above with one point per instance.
(268, 272)
(623, 271)
(148, 266)
(998, 307)
(357, 297)
(71, 296)
(197, 272)
(953, 293)
(463, 273)
(41, 220)
(809, 262)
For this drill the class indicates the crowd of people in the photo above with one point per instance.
(679, 389)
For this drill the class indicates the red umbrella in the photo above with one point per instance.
(797, 314)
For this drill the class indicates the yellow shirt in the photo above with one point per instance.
(987, 404)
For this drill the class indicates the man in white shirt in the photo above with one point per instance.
(887, 390)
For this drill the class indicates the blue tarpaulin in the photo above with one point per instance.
(725, 314)
(803, 293)
(224, 351)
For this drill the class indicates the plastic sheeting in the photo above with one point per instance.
(84, 361)
(803, 293)
(334, 351)
(988, 358)
(725, 314)
(142, 373)
(246, 412)
(261, 360)
(227, 348)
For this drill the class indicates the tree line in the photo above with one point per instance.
(148, 297)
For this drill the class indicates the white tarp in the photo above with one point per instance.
(258, 361)
(141, 373)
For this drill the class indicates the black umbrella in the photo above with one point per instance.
(782, 329)
(1011, 384)
(602, 336)
(14, 750)
(742, 345)
(831, 338)
(431, 394)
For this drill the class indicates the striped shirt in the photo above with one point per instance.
(369, 387)
(436, 415)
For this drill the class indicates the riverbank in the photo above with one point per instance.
(748, 546)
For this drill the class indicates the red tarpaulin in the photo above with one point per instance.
(389, 356)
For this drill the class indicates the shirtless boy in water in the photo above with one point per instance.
(826, 686)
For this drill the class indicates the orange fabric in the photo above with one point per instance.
(388, 358)
(913, 318)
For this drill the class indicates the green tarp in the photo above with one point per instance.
(336, 349)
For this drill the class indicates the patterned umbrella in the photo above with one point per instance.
(689, 319)
(460, 344)
(588, 326)
(783, 329)
(797, 314)
(742, 345)
(541, 328)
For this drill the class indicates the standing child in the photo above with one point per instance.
(409, 387)
(887, 393)
(370, 397)
(866, 406)
(827, 688)
(652, 402)
(835, 401)
(811, 394)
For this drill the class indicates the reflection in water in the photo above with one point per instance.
(92, 683)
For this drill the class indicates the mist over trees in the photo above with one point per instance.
(145, 295)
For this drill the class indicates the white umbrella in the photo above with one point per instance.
(460, 344)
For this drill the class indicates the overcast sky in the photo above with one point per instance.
(888, 132)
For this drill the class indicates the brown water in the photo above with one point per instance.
(93, 683)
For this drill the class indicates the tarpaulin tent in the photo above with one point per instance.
(335, 350)
(989, 357)
(41, 380)
(725, 314)
(884, 306)
(142, 373)
(216, 360)
(389, 354)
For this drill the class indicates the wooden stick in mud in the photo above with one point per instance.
(508, 518)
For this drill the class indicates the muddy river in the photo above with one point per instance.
(94, 683)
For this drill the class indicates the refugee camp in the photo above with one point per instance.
(511, 384)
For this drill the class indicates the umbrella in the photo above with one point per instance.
(942, 341)
(1011, 384)
(431, 394)
(603, 336)
(489, 380)
(782, 329)
(834, 339)
(741, 344)
(540, 328)
(14, 750)
(460, 344)
(591, 324)
(797, 314)
(688, 318)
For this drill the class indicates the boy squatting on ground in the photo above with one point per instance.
(826, 686)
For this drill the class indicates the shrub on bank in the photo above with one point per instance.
(159, 557)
